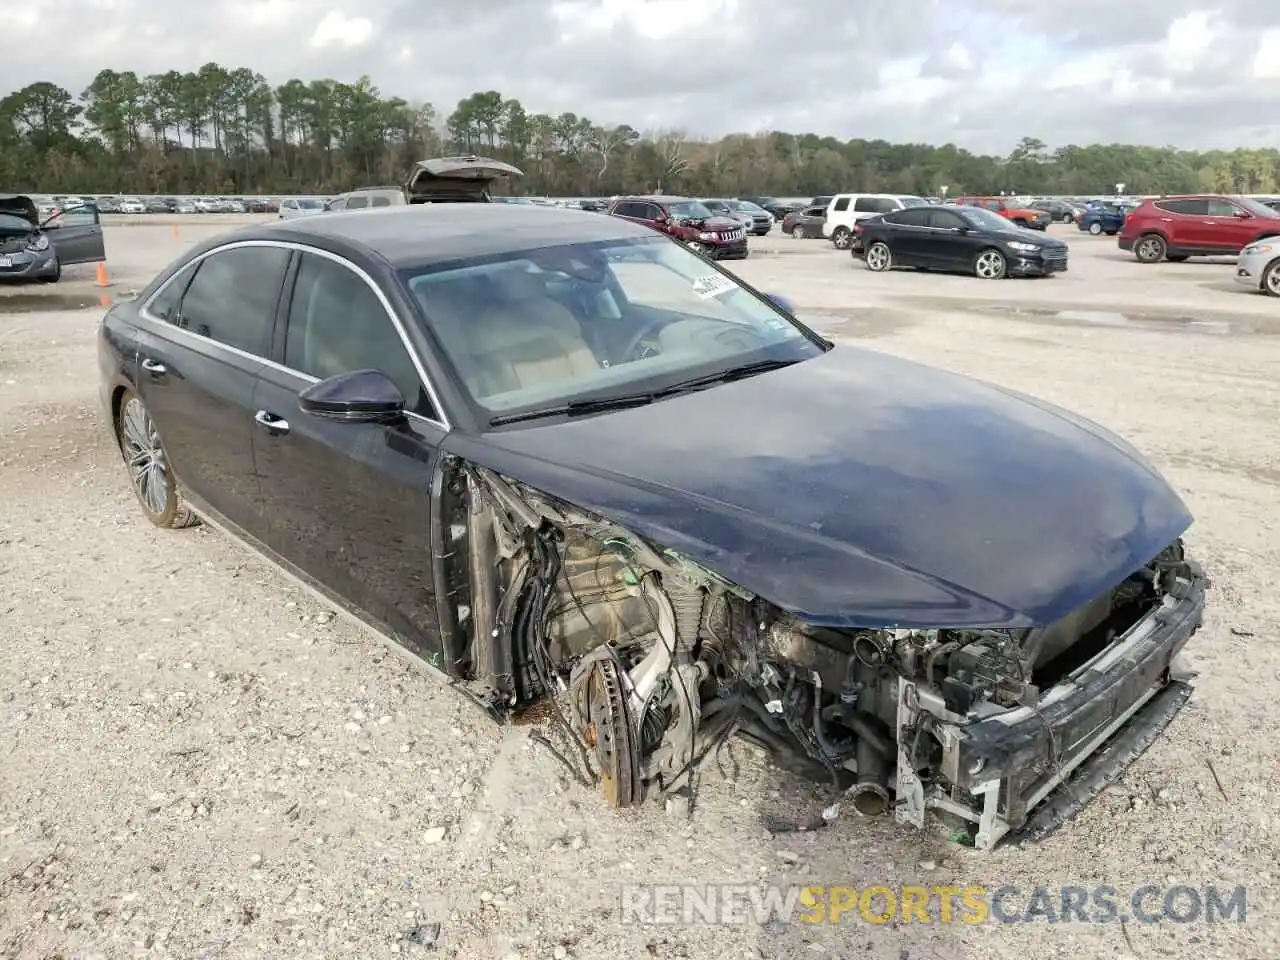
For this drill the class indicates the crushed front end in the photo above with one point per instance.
(646, 662)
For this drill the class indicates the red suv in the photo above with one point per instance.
(720, 238)
(1175, 228)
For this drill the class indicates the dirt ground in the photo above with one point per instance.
(198, 760)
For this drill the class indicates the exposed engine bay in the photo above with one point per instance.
(647, 662)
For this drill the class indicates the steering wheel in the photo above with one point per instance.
(646, 331)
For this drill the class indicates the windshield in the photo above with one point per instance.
(745, 206)
(914, 201)
(310, 204)
(688, 210)
(984, 219)
(592, 321)
(11, 224)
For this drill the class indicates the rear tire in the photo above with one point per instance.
(150, 477)
(842, 237)
(990, 264)
(797, 233)
(1150, 248)
(1095, 229)
(879, 257)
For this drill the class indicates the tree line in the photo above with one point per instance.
(223, 130)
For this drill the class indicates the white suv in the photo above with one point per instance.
(846, 209)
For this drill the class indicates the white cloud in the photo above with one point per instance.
(1266, 64)
(338, 30)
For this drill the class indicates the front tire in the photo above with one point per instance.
(1150, 248)
(153, 482)
(1095, 229)
(797, 233)
(701, 248)
(990, 264)
(1271, 279)
(56, 275)
(842, 237)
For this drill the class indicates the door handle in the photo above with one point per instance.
(274, 424)
(1166, 219)
(154, 367)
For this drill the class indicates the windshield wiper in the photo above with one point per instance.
(621, 402)
(576, 407)
(727, 375)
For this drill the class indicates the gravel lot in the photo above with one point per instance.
(198, 760)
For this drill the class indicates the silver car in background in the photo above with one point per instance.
(293, 207)
(1258, 266)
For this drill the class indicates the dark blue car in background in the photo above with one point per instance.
(1101, 218)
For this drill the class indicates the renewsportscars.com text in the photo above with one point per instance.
(738, 904)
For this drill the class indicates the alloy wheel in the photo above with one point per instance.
(842, 238)
(1095, 228)
(1150, 249)
(1271, 279)
(879, 257)
(990, 265)
(797, 233)
(697, 247)
(148, 470)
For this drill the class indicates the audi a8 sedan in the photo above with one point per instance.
(598, 482)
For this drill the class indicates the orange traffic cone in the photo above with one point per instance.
(103, 281)
(104, 300)
(175, 232)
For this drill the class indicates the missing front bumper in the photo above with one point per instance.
(1027, 770)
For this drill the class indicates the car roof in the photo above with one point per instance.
(431, 233)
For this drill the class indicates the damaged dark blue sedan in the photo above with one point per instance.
(605, 486)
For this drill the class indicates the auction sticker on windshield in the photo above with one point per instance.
(713, 285)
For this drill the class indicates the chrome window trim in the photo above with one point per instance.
(418, 366)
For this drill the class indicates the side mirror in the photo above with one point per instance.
(1243, 215)
(782, 303)
(363, 396)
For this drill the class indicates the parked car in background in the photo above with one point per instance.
(1272, 202)
(132, 205)
(846, 209)
(104, 205)
(36, 248)
(1258, 266)
(1099, 218)
(686, 220)
(805, 224)
(1010, 210)
(1175, 228)
(291, 207)
(185, 206)
(961, 239)
(367, 198)
(1059, 210)
(207, 205)
(774, 207)
(754, 219)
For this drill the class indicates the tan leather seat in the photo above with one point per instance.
(525, 338)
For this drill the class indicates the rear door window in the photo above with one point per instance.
(866, 205)
(841, 204)
(945, 219)
(1186, 208)
(910, 217)
(233, 297)
(357, 203)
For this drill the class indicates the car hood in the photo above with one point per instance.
(857, 489)
(1023, 235)
(716, 224)
(18, 205)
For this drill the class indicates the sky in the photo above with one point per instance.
(978, 73)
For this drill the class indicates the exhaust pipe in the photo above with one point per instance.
(869, 795)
